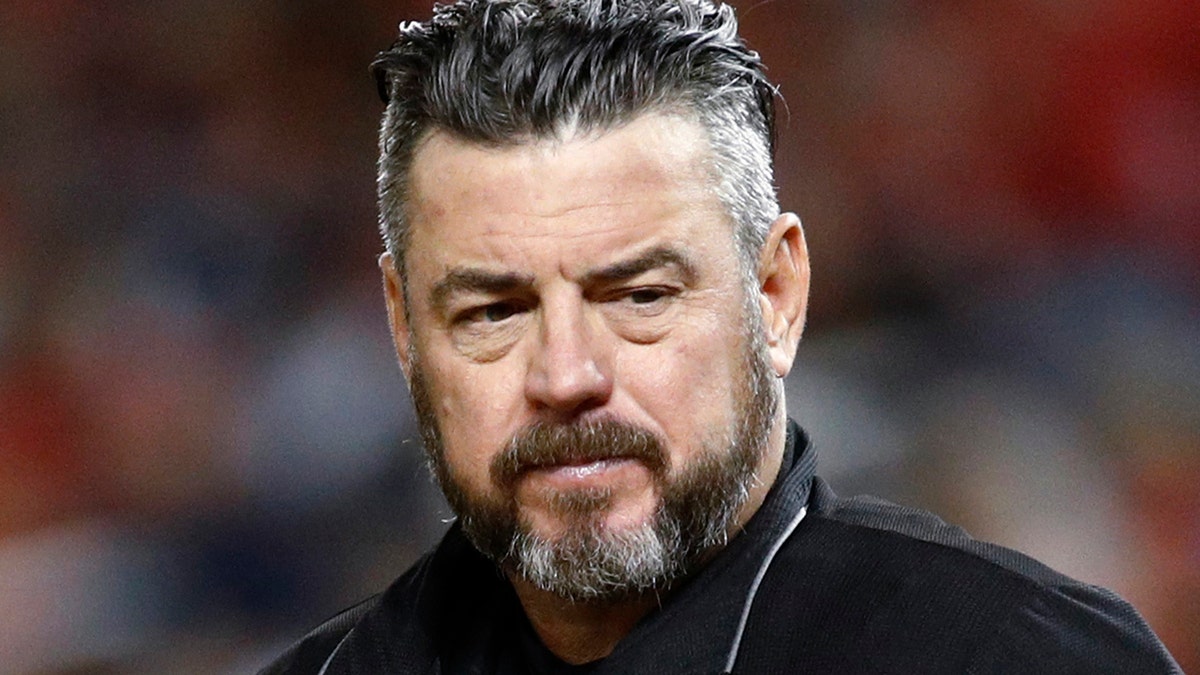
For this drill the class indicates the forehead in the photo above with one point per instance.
(586, 192)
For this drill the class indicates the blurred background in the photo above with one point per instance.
(205, 444)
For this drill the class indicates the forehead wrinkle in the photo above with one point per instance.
(690, 148)
(577, 208)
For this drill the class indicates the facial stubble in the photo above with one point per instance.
(590, 561)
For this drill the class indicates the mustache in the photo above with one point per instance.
(544, 444)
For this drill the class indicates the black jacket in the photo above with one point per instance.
(814, 584)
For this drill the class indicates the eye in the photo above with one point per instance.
(646, 296)
(484, 329)
(491, 313)
(499, 311)
(643, 301)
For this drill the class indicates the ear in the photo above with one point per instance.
(393, 292)
(783, 277)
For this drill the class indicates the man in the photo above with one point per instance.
(594, 298)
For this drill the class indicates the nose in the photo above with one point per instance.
(570, 371)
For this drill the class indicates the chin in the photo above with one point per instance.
(599, 510)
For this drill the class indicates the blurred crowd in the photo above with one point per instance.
(205, 443)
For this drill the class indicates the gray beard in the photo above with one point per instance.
(590, 562)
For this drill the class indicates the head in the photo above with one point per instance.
(592, 291)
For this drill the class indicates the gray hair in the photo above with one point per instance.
(505, 72)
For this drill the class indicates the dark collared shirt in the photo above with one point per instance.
(814, 584)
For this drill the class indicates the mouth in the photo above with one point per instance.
(585, 474)
(598, 455)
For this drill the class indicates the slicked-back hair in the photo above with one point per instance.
(506, 72)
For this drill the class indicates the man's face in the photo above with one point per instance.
(587, 365)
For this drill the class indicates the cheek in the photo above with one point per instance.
(687, 388)
(704, 360)
(474, 414)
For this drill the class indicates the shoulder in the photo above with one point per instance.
(885, 584)
(310, 653)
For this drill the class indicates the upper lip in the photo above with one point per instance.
(572, 461)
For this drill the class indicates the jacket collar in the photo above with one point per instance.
(456, 598)
(699, 625)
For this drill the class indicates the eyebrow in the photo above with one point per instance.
(652, 259)
(474, 280)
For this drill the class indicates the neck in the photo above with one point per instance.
(580, 632)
